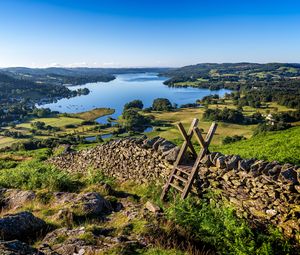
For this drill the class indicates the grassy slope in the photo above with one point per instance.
(6, 141)
(54, 121)
(94, 114)
(283, 146)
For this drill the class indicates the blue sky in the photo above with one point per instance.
(121, 33)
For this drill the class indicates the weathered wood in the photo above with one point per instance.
(202, 153)
(179, 158)
(187, 138)
(184, 145)
(180, 178)
(190, 171)
(176, 187)
(199, 137)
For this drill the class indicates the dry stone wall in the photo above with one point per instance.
(263, 192)
(137, 159)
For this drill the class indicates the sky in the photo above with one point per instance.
(147, 33)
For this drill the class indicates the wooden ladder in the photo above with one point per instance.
(182, 176)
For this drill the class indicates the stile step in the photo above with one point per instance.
(176, 187)
(180, 178)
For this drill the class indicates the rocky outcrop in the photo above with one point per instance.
(16, 247)
(86, 204)
(138, 159)
(64, 241)
(15, 198)
(83, 204)
(22, 226)
(69, 241)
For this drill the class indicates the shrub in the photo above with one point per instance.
(264, 127)
(217, 225)
(70, 126)
(225, 115)
(95, 176)
(37, 175)
(232, 139)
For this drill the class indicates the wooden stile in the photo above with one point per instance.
(190, 171)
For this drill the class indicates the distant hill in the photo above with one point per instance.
(243, 69)
(14, 90)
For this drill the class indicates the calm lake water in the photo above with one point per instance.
(125, 88)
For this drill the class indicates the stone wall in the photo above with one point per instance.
(263, 192)
(137, 159)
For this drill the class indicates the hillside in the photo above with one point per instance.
(231, 73)
(282, 146)
(106, 200)
(273, 82)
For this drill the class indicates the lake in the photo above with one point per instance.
(125, 88)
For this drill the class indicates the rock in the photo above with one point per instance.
(148, 143)
(206, 161)
(16, 247)
(275, 170)
(232, 162)
(15, 198)
(214, 156)
(152, 207)
(22, 226)
(171, 155)
(220, 162)
(86, 204)
(92, 204)
(271, 212)
(80, 241)
(165, 146)
(159, 141)
(69, 242)
(290, 175)
(245, 164)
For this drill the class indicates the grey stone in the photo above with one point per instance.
(232, 162)
(152, 207)
(165, 146)
(171, 155)
(290, 175)
(16, 247)
(148, 143)
(206, 161)
(220, 162)
(245, 164)
(15, 198)
(22, 226)
(158, 142)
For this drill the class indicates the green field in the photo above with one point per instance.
(60, 122)
(94, 114)
(282, 146)
(54, 122)
(186, 115)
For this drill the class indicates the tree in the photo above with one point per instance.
(134, 104)
(161, 104)
(133, 121)
(38, 125)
